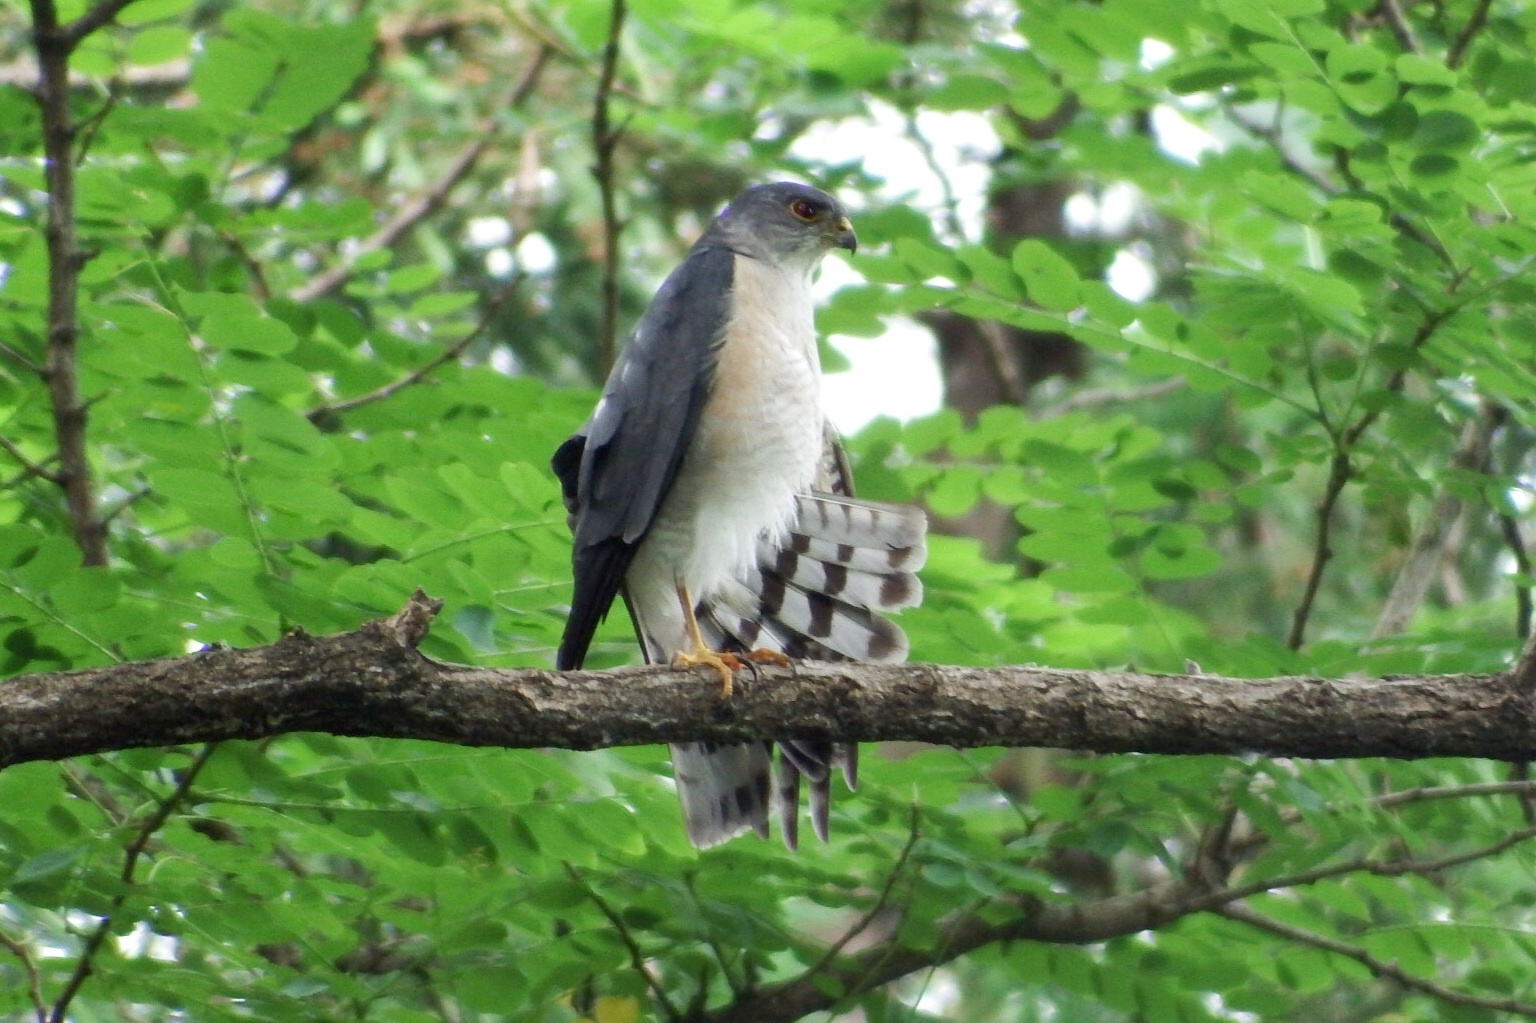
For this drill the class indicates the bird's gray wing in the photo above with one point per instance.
(616, 470)
(820, 592)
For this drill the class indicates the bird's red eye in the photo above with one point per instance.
(803, 209)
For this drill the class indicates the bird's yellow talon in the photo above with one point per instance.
(762, 655)
(725, 665)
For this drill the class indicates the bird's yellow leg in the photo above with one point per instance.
(699, 654)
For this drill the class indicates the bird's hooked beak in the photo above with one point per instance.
(843, 236)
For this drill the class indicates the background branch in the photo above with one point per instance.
(605, 139)
(432, 200)
(373, 682)
(1388, 971)
(54, 43)
(135, 849)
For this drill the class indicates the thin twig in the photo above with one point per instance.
(100, 16)
(605, 139)
(1428, 793)
(34, 981)
(1525, 668)
(123, 505)
(1401, 30)
(24, 475)
(636, 956)
(429, 202)
(421, 372)
(29, 467)
(1109, 396)
(86, 130)
(135, 849)
(1378, 967)
(1340, 471)
(19, 359)
(948, 201)
(1271, 136)
(1458, 48)
(881, 901)
(262, 291)
(1509, 526)
(1004, 354)
(1378, 868)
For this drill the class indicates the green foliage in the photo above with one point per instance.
(295, 421)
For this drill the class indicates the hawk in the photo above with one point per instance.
(708, 489)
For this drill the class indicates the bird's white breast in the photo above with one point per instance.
(757, 444)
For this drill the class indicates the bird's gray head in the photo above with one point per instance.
(785, 223)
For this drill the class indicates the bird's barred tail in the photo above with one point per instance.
(723, 788)
(817, 593)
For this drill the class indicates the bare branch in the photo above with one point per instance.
(53, 44)
(1271, 136)
(878, 906)
(1424, 794)
(1341, 469)
(1069, 922)
(1339, 472)
(1006, 360)
(1509, 527)
(1401, 30)
(1385, 970)
(605, 139)
(1074, 923)
(29, 468)
(416, 376)
(1457, 51)
(100, 16)
(1109, 396)
(636, 956)
(1378, 868)
(29, 967)
(373, 682)
(429, 202)
(6, 351)
(153, 823)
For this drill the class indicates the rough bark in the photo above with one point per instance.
(373, 682)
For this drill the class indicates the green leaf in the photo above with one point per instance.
(159, 44)
(966, 92)
(1050, 280)
(261, 334)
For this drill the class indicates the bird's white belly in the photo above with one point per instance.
(757, 444)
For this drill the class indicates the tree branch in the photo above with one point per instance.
(429, 202)
(1080, 923)
(54, 44)
(372, 682)
(605, 139)
(637, 959)
(417, 375)
(1458, 48)
(100, 16)
(135, 849)
(1389, 971)
(29, 967)
(29, 468)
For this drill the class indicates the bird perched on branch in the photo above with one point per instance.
(709, 490)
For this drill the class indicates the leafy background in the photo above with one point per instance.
(311, 389)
